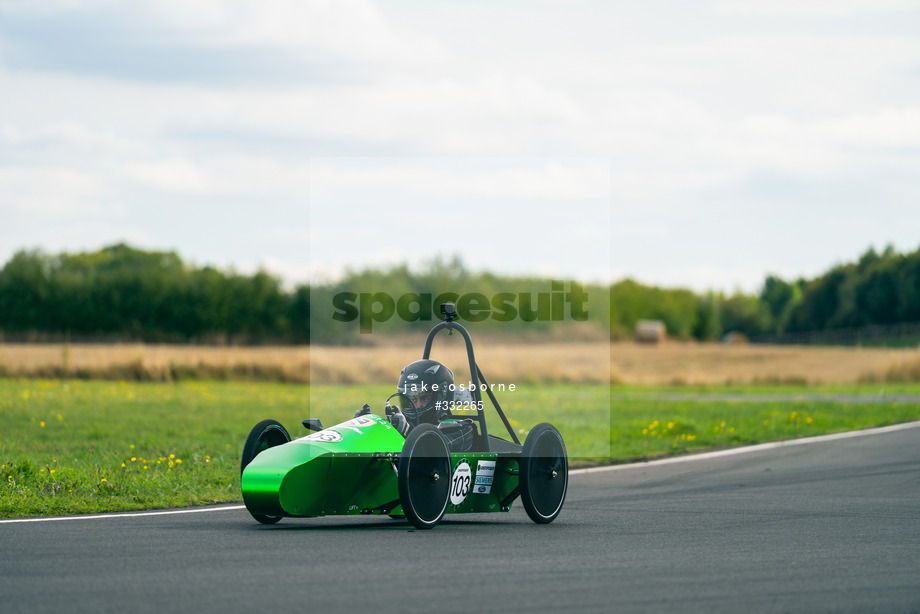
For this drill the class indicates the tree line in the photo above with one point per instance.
(124, 293)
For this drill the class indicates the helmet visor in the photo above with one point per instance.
(416, 403)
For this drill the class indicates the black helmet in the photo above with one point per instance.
(425, 391)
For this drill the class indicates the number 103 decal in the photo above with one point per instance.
(460, 483)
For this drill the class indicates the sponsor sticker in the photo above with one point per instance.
(361, 421)
(324, 436)
(460, 483)
(485, 472)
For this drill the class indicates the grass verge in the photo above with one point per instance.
(74, 446)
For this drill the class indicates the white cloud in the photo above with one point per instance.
(219, 175)
(339, 30)
(880, 129)
(701, 111)
(508, 215)
(69, 135)
(812, 8)
(326, 268)
(646, 231)
(52, 194)
(493, 178)
(172, 174)
(53, 7)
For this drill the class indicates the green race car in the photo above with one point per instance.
(379, 465)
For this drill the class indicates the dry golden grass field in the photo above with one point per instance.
(588, 362)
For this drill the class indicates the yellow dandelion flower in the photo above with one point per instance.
(645, 431)
(228, 445)
(178, 461)
(670, 425)
(42, 471)
(53, 470)
(122, 464)
(131, 446)
(104, 480)
(42, 424)
(145, 466)
(172, 456)
(133, 458)
(808, 420)
(171, 463)
(205, 458)
(60, 418)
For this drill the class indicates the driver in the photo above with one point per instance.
(426, 392)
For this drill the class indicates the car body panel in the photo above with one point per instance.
(350, 468)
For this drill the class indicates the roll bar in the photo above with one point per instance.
(475, 374)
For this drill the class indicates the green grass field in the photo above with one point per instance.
(74, 446)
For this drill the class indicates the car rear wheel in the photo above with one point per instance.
(424, 476)
(266, 434)
(544, 474)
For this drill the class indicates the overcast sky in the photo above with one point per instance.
(696, 144)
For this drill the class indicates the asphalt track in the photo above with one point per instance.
(828, 526)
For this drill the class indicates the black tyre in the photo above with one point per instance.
(424, 476)
(544, 474)
(266, 434)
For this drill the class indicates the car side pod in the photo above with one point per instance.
(344, 469)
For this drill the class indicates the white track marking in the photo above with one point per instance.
(663, 461)
(755, 448)
(128, 514)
